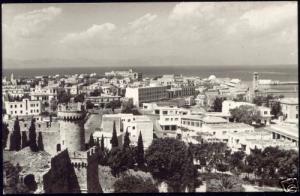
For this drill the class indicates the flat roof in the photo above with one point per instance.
(283, 129)
(293, 101)
(229, 126)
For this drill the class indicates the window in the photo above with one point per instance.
(21, 112)
(11, 106)
(176, 119)
(133, 127)
(296, 115)
(167, 119)
(30, 111)
(15, 106)
(265, 112)
(37, 110)
(15, 112)
(21, 105)
(224, 132)
(165, 112)
(11, 112)
(39, 125)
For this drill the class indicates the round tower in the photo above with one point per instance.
(71, 124)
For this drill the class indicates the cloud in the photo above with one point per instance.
(143, 21)
(266, 20)
(33, 23)
(94, 33)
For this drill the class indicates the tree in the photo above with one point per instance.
(236, 161)
(24, 139)
(114, 104)
(140, 159)
(91, 142)
(126, 140)
(245, 114)
(17, 135)
(79, 98)
(225, 184)
(12, 145)
(114, 139)
(102, 143)
(120, 160)
(276, 110)
(32, 137)
(127, 106)
(89, 104)
(134, 184)
(166, 159)
(40, 142)
(63, 97)
(5, 133)
(217, 105)
(96, 92)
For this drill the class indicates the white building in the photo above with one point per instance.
(146, 94)
(134, 124)
(44, 93)
(23, 108)
(290, 109)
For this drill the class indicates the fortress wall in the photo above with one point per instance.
(50, 134)
(93, 183)
(72, 135)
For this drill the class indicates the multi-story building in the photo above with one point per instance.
(25, 107)
(290, 109)
(125, 74)
(181, 91)
(146, 94)
(102, 100)
(125, 122)
(44, 93)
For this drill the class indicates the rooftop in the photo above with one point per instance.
(229, 126)
(293, 101)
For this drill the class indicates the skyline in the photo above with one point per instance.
(206, 33)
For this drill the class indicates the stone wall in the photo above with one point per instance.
(50, 134)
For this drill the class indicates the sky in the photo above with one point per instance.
(149, 34)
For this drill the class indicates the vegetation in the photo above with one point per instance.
(91, 141)
(24, 140)
(5, 133)
(114, 140)
(245, 114)
(89, 104)
(276, 110)
(79, 98)
(32, 137)
(63, 97)
(167, 160)
(134, 184)
(40, 143)
(12, 185)
(140, 159)
(15, 137)
(96, 92)
(225, 184)
(217, 105)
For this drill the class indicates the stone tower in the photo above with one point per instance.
(71, 123)
(255, 83)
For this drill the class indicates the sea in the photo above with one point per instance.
(242, 72)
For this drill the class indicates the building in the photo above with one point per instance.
(134, 124)
(44, 94)
(125, 74)
(290, 109)
(181, 91)
(146, 94)
(102, 100)
(23, 108)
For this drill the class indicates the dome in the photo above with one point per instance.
(212, 77)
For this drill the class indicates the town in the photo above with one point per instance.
(120, 131)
